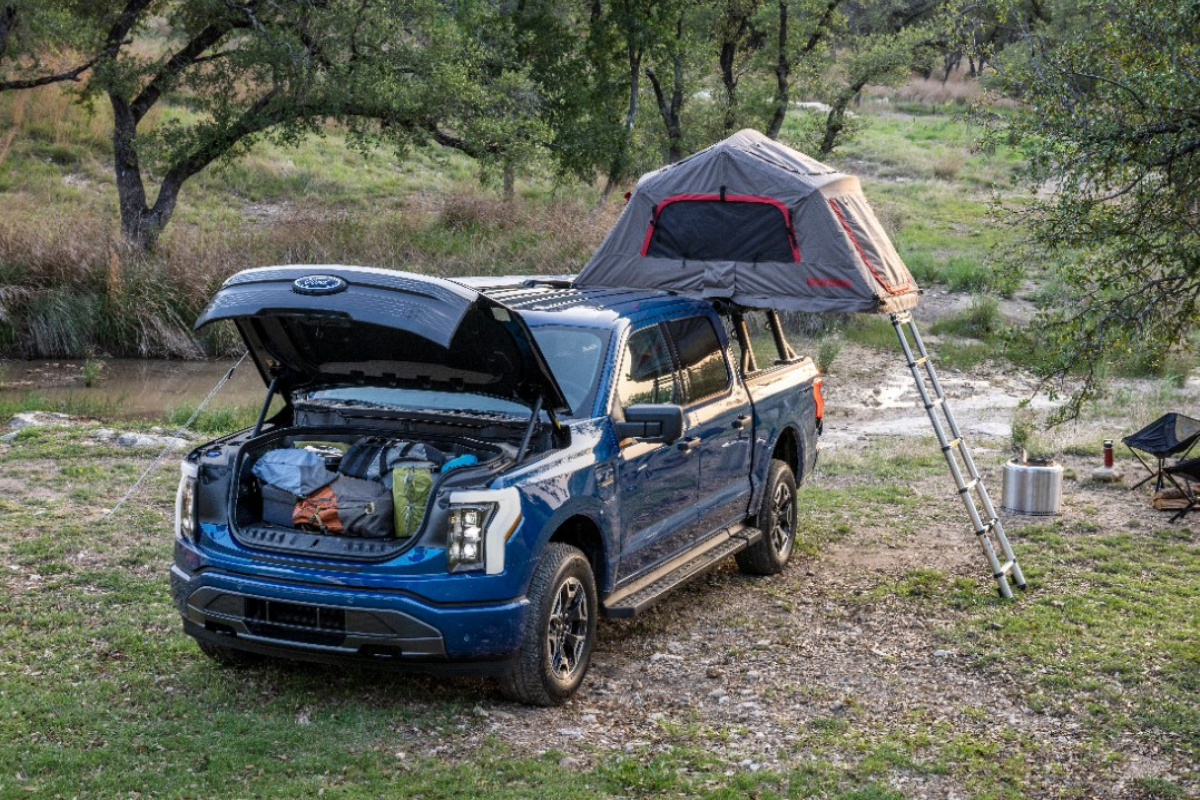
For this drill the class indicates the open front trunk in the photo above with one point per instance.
(263, 514)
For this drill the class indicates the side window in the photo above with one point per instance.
(647, 372)
(700, 358)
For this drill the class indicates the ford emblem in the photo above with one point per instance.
(318, 284)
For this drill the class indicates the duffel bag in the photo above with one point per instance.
(347, 506)
(372, 459)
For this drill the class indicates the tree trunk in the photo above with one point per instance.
(131, 191)
(8, 21)
(669, 111)
(834, 122)
(783, 68)
(510, 180)
(729, 81)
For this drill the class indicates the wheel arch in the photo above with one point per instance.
(582, 532)
(789, 450)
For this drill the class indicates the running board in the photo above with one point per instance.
(631, 600)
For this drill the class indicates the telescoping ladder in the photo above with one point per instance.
(970, 486)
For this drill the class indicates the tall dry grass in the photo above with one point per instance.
(69, 287)
(955, 89)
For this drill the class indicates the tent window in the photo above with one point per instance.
(709, 228)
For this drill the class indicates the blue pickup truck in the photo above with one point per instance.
(602, 447)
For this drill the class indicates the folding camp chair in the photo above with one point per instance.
(1189, 471)
(1170, 436)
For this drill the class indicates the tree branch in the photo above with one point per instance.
(61, 77)
(184, 58)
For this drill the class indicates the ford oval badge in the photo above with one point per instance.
(318, 284)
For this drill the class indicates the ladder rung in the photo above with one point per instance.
(916, 362)
(952, 444)
(934, 403)
(987, 526)
(969, 485)
(1006, 568)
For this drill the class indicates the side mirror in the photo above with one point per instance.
(655, 422)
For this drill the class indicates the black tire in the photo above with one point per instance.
(777, 520)
(560, 631)
(229, 656)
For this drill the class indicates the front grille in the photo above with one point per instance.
(295, 622)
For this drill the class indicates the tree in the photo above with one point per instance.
(885, 41)
(1111, 124)
(246, 69)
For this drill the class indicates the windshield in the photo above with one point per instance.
(574, 356)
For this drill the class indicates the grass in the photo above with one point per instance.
(102, 696)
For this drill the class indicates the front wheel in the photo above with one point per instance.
(777, 520)
(557, 645)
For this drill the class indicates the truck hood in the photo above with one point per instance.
(321, 326)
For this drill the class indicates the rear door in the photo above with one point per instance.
(657, 482)
(719, 425)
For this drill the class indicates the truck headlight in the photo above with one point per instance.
(185, 508)
(466, 543)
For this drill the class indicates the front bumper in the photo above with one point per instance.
(380, 628)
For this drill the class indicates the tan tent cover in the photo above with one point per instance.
(755, 222)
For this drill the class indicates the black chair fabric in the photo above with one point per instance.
(1169, 435)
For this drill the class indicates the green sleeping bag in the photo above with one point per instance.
(410, 494)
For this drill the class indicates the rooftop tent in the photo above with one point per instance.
(755, 222)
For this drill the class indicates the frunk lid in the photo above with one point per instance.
(319, 326)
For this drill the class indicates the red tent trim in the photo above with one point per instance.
(890, 289)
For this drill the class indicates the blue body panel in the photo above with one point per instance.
(590, 483)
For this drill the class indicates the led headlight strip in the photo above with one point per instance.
(501, 522)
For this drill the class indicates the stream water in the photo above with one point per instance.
(129, 388)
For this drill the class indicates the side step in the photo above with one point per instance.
(631, 600)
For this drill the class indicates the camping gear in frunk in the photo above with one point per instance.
(347, 506)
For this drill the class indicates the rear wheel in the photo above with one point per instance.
(557, 646)
(777, 520)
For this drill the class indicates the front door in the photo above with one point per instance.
(657, 482)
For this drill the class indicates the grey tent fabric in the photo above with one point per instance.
(755, 222)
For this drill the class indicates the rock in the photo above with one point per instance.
(587, 719)
(31, 419)
(570, 763)
(941, 653)
(104, 433)
(573, 733)
(8, 437)
(150, 440)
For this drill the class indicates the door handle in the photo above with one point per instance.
(686, 445)
(741, 421)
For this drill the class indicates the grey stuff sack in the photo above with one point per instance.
(300, 472)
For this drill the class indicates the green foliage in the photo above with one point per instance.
(92, 368)
(1110, 89)
(828, 350)
(982, 320)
